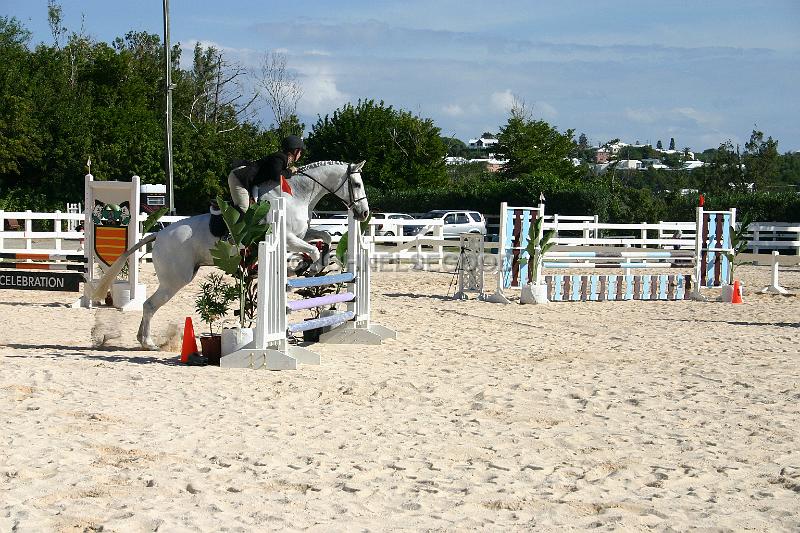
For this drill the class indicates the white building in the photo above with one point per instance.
(655, 164)
(629, 164)
(691, 165)
(483, 143)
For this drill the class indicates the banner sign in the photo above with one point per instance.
(40, 281)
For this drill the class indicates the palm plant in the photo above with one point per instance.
(739, 242)
(238, 255)
(538, 245)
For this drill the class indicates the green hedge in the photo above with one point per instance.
(623, 205)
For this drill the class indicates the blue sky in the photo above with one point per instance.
(702, 72)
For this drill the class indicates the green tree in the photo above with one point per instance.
(760, 160)
(659, 146)
(535, 147)
(402, 150)
(672, 143)
(723, 171)
(18, 125)
(455, 147)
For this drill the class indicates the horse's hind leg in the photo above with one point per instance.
(162, 295)
(172, 277)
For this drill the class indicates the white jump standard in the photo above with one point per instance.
(270, 348)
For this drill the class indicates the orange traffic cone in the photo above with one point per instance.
(189, 342)
(736, 297)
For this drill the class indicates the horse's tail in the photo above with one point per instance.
(102, 287)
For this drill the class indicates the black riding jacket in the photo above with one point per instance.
(266, 169)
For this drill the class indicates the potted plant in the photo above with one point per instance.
(738, 245)
(237, 256)
(538, 245)
(212, 304)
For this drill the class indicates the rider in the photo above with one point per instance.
(244, 181)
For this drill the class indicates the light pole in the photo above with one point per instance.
(168, 112)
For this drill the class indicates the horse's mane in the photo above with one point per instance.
(320, 164)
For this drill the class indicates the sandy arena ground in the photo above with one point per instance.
(630, 416)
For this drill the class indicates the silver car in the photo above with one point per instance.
(457, 221)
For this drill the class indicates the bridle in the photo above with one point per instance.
(348, 179)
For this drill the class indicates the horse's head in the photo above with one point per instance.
(340, 179)
(356, 193)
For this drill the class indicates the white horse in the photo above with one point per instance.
(183, 247)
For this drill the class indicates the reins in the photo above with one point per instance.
(347, 180)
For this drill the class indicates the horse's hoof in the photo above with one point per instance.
(148, 344)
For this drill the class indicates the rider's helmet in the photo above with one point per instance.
(292, 143)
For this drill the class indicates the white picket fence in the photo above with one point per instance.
(56, 232)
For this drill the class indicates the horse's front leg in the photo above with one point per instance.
(298, 245)
(325, 237)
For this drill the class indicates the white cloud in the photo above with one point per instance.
(320, 92)
(644, 116)
(545, 110)
(453, 110)
(676, 114)
(502, 101)
(701, 118)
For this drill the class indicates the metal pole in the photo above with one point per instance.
(168, 111)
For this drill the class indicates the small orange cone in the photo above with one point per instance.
(736, 297)
(189, 342)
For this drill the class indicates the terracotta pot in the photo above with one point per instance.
(212, 347)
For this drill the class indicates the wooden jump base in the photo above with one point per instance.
(270, 348)
(708, 262)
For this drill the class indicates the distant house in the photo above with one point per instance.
(491, 164)
(629, 164)
(601, 156)
(691, 165)
(654, 163)
(484, 143)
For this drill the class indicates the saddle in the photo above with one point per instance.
(216, 224)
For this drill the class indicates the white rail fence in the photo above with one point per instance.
(56, 232)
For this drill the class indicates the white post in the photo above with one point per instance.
(754, 240)
(28, 231)
(440, 248)
(88, 241)
(2, 229)
(732, 229)
(57, 229)
(698, 247)
(540, 258)
(498, 296)
(775, 286)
